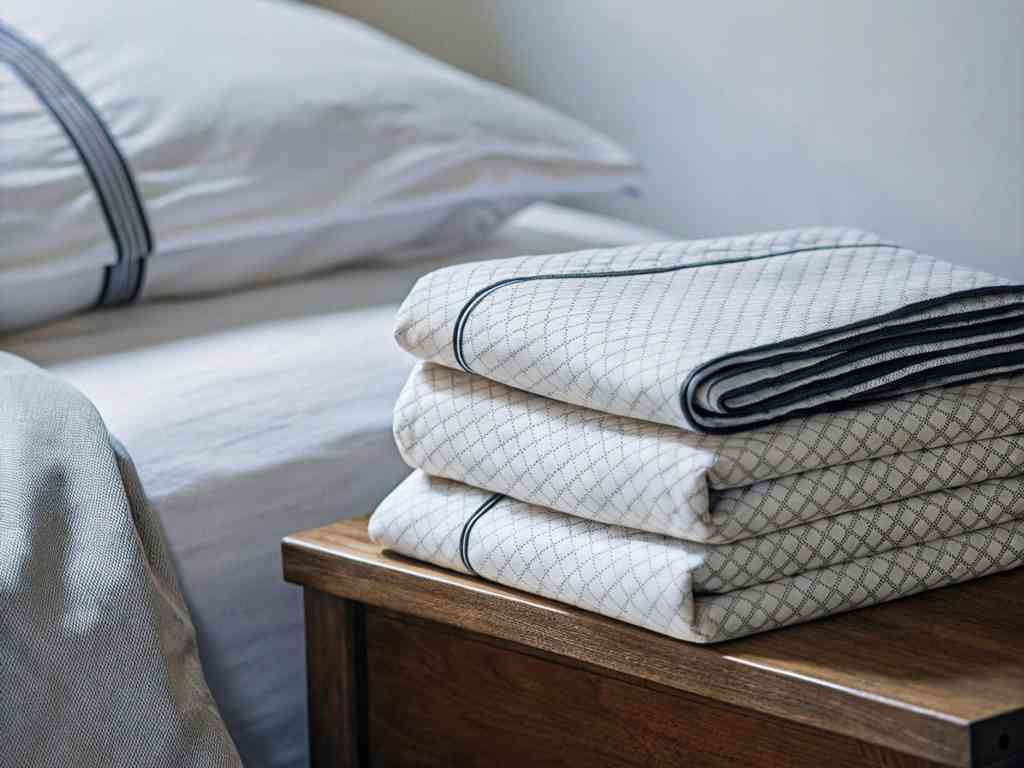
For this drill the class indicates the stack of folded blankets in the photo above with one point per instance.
(717, 437)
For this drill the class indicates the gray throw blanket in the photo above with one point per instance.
(98, 661)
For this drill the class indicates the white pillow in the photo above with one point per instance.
(265, 140)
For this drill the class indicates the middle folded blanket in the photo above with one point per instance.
(719, 489)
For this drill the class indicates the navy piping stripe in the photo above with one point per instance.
(86, 142)
(463, 317)
(814, 375)
(108, 170)
(693, 412)
(467, 529)
(89, 135)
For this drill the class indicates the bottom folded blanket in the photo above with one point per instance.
(709, 592)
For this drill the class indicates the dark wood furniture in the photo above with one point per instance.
(409, 665)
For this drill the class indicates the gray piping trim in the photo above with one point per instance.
(467, 529)
(111, 177)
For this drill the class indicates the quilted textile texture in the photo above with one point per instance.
(98, 661)
(714, 438)
(711, 488)
(720, 335)
(655, 581)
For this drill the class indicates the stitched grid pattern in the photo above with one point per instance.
(851, 535)
(860, 583)
(467, 428)
(743, 513)
(648, 580)
(655, 478)
(614, 571)
(626, 344)
(569, 405)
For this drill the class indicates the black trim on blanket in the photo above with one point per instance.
(108, 170)
(889, 338)
(865, 347)
(907, 383)
(931, 330)
(476, 298)
(467, 529)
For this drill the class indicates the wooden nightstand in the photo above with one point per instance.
(409, 664)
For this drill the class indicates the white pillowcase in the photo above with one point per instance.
(267, 140)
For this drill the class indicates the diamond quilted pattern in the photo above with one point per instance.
(825, 473)
(859, 583)
(655, 478)
(852, 535)
(621, 330)
(648, 580)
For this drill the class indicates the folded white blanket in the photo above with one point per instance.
(718, 437)
(664, 584)
(706, 487)
(722, 335)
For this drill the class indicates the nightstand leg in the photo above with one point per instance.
(335, 678)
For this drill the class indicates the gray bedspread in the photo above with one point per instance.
(98, 662)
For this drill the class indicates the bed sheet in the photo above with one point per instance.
(256, 414)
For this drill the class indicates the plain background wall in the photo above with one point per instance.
(901, 116)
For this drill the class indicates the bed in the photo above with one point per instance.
(255, 414)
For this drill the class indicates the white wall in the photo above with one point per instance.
(903, 116)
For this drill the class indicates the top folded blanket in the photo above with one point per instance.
(721, 335)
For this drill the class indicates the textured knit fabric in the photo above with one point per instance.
(722, 335)
(707, 593)
(98, 662)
